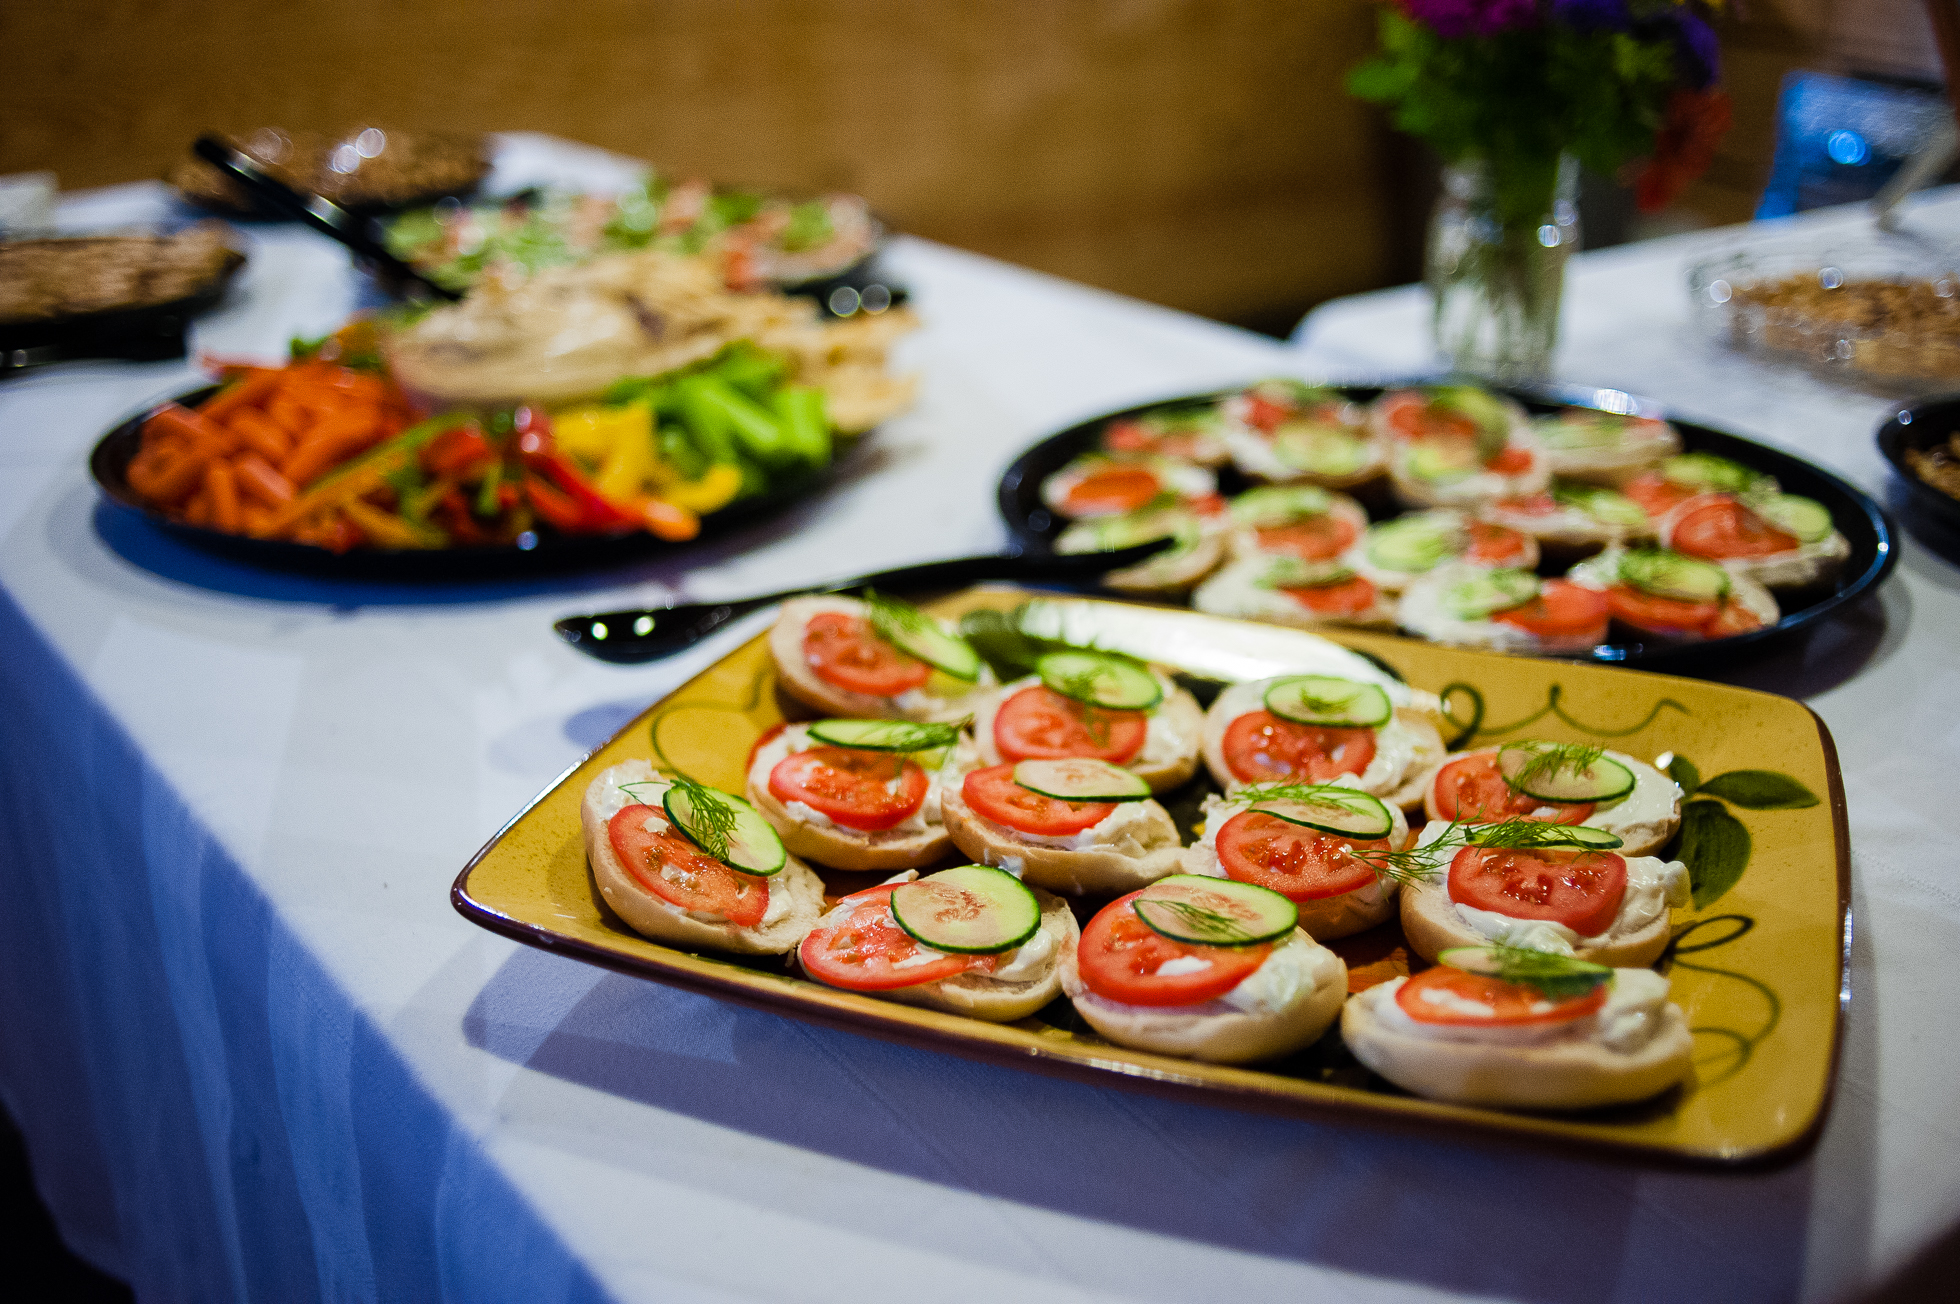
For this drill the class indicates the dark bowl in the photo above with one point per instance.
(1935, 516)
(551, 551)
(147, 334)
(1862, 521)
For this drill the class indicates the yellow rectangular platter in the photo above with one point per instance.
(1759, 970)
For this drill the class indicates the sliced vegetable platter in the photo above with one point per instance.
(1865, 527)
(1757, 963)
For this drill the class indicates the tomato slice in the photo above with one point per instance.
(1317, 538)
(1733, 618)
(1723, 528)
(1656, 494)
(1510, 1004)
(1529, 505)
(1561, 610)
(1300, 863)
(993, 793)
(1411, 417)
(1109, 490)
(1580, 889)
(1125, 437)
(1120, 956)
(864, 950)
(868, 791)
(1350, 597)
(1657, 615)
(1512, 460)
(673, 869)
(841, 649)
(1472, 789)
(1039, 724)
(1494, 545)
(1260, 747)
(1264, 415)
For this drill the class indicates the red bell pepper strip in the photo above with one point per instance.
(558, 510)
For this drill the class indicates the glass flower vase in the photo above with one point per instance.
(1496, 280)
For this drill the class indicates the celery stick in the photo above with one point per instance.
(751, 424)
(800, 408)
(707, 421)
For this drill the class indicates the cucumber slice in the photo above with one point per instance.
(1604, 505)
(1492, 419)
(913, 632)
(1670, 575)
(1297, 573)
(1556, 977)
(1280, 504)
(1331, 808)
(1214, 911)
(1319, 449)
(1329, 702)
(726, 827)
(1716, 474)
(1479, 597)
(885, 735)
(1581, 837)
(1573, 432)
(969, 910)
(1563, 772)
(1806, 518)
(1101, 679)
(1080, 779)
(1411, 544)
(1131, 529)
(1441, 463)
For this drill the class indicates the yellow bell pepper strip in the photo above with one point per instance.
(388, 530)
(715, 489)
(589, 512)
(629, 463)
(800, 409)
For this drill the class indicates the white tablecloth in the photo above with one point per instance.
(257, 1055)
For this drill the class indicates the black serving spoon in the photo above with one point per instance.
(316, 211)
(649, 633)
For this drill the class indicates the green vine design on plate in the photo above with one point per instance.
(1554, 706)
(1714, 844)
(1724, 1063)
(757, 686)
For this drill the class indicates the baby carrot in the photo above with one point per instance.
(249, 391)
(260, 434)
(262, 480)
(173, 418)
(222, 486)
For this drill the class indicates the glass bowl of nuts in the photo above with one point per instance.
(1884, 315)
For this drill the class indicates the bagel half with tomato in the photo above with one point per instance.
(1303, 521)
(877, 659)
(1562, 783)
(1207, 969)
(969, 940)
(657, 875)
(1522, 1029)
(1655, 593)
(1562, 888)
(1317, 728)
(1095, 705)
(1778, 540)
(1197, 535)
(1508, 610)
(1078, 826)
(1286, 432)
(1393, 554)
(1457, 446)
(1321, 846)
(1603, 448)
(1284, 590)
(858, 794)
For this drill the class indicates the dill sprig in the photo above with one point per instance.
(1417, 864)
(891, 618)
(1553, 976)
(1521, 834)
(1549, 760)
(710, 818)
(910, 736)
(1307, 794)
(1221, 929)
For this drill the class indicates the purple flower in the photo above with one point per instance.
(1698, 55)
(1592, 15)
(1451, 19)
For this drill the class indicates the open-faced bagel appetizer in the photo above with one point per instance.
(1099, 484)
(1572, 519)
(1393, 554)
(1206, 968)
(968, 940)
(1078, 826)
(1559, 783)
(1197, 529)
(1303, 521)
(1689, 475)
(1284, 590)
(1503, 610)
(1187, 432)
(1518, 1029)
(857, 794)
(1327, 848)
(1653, 593)
(1780, 541)
(1085, 703)
(1565, 888)
(880, 659)
(1287, 432)
(1318, 728)
(1603, 447)
(692, 866)
(1457, 446)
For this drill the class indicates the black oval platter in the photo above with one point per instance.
(1862, 521)
(1932, 515)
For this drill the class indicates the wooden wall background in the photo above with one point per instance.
(1200, 154)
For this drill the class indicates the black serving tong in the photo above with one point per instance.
(640, 634)
(316, 211)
